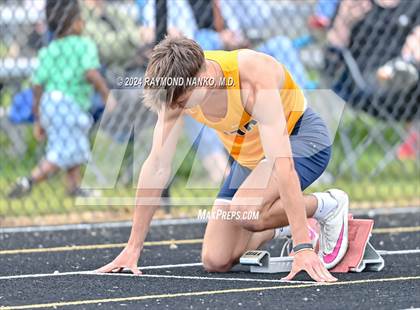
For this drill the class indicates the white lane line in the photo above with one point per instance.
(42, 275)
(45, 275)
(399, 252)
(171, 266)
(183, 221)
(92, 273)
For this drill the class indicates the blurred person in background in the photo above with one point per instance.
(325, 11)
(63, 80)
(119, 41)
(212, 31)
(373, 60)
(220, 24)
(404, 70)
(263, 30)
(203, 21)
(115, 32)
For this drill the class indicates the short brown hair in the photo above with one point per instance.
(174, 58)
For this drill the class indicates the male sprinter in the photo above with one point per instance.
(280, 147)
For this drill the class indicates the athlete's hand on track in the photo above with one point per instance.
(128, 258)
(311, 263)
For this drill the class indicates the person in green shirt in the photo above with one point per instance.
(63, 84)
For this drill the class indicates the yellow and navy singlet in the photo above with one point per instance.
(238, 131)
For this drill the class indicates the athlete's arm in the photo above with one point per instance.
(155, 173)
(154, 177)
(265, 76)
(268, 111)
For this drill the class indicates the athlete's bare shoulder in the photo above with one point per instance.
(259, 69)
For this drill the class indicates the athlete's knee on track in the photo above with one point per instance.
(212, 262)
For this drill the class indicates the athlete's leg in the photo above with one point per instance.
(276, 211)
(223, 241)
(226, 240)
(311, 135)
(271, 210)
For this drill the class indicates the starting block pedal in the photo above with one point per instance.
(360, 256)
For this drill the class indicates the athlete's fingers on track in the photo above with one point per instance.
(308, 269)
(107, 268)
(135, 270)
(324, 277)
(291, 275)
(114, 268)
(329, 277)
(314, 274)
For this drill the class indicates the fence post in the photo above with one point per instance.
(161, 19)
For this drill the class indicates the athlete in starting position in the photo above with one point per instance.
(280, 147)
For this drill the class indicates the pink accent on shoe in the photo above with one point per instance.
(312, 233)
(330, 257)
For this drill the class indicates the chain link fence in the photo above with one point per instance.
(367, 52)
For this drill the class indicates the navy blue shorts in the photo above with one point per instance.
(311, 149)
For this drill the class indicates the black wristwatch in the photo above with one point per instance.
(303, 246)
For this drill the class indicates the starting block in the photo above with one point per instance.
(360, 255)
(262, 262)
